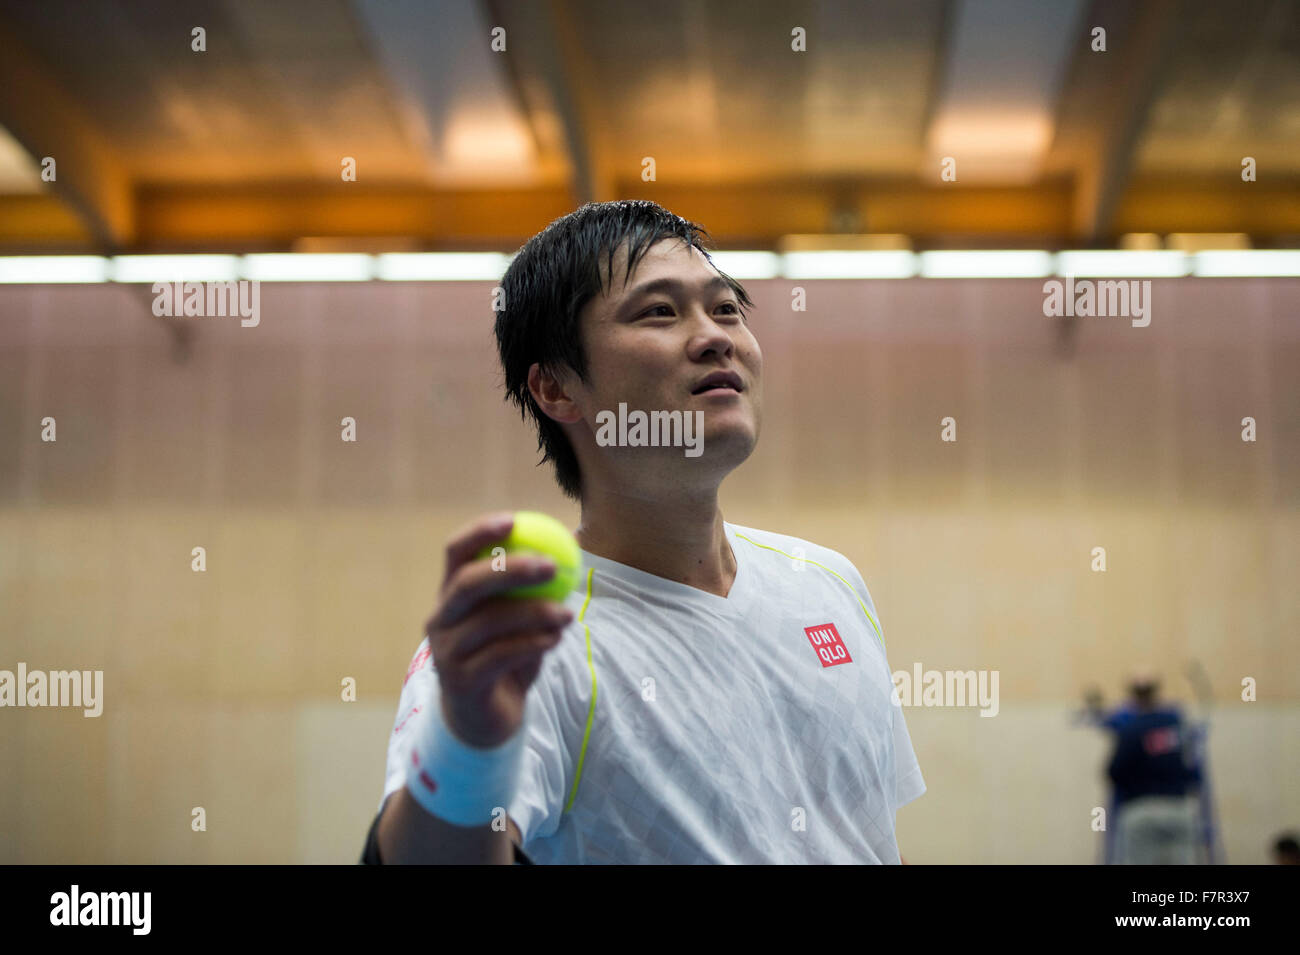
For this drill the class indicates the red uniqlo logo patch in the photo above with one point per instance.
(825, 639)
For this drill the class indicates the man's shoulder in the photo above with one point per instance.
(792, 547)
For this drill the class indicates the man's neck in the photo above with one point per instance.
(682, 541)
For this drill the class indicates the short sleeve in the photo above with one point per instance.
(538, 802)
(417, 694)
(908, 782)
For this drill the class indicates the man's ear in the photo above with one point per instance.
(552, 396)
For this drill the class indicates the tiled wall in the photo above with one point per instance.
(222, 689)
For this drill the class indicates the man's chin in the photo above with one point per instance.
(731, 444)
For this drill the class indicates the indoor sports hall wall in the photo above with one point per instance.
(222, 689)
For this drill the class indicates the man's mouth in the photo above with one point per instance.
(719, 381)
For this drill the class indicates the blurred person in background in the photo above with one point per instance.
(1286, 850)
(1153, 775)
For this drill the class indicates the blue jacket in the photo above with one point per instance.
(1151, 755)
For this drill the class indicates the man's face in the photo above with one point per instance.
(650, 342)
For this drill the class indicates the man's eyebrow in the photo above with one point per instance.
(672, 285)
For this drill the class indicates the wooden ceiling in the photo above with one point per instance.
(459, 144)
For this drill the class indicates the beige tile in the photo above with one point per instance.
(341, 751)
(262, 434)
(74, 576)
(159, 772)
(78, 388)
(356, 570)
(61, 783)
(257, 567)
(168, 608)
(253, 798)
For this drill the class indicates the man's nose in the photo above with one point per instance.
(714, 337)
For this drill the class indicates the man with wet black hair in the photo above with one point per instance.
(709, 692)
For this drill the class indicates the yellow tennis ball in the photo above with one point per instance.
(535, 534)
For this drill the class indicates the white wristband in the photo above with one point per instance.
(459, 783)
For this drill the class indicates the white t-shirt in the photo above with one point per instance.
(759, 727)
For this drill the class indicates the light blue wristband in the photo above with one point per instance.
(459, 783)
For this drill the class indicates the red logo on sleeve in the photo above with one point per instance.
(420, 656)
(424, 777)
(825, 639)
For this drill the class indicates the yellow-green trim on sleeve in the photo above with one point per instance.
(591, 709)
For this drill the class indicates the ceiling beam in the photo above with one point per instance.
(42, 223)
(48, 122)
(1101, 118)
(1222, 204)
(1004, 62)
(274, 217)
(555, 78)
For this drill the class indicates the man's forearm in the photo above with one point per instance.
(410, 835)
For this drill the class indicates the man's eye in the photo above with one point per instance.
(734, 309)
